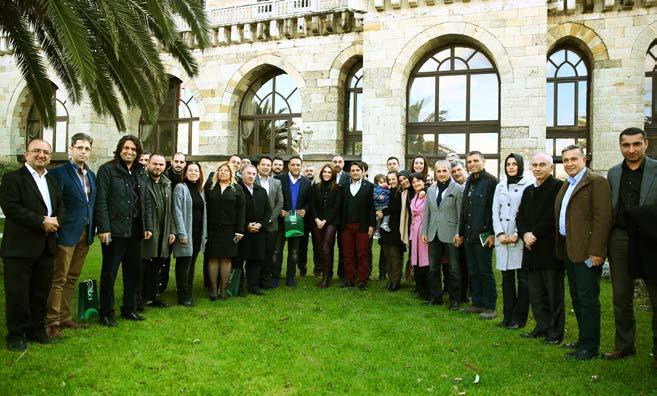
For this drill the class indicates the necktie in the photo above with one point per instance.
(85, 183)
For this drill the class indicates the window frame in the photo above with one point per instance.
(651, 127)
(351, 135)
(34, 118)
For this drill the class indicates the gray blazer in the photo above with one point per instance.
(275, 201)
(648, 184)
(443, 221)
(182, 220)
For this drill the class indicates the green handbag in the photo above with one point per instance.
(293, 226)
(87, 299)
(234, 282)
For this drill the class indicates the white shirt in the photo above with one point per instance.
(354, 187)
(264, 183)
(42, 185)
(250, 188)
(573, 182)
(293, 180)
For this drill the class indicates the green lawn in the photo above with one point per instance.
(311, 341)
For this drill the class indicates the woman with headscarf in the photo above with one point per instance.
(508, 246)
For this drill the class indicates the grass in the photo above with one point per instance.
(311, 341)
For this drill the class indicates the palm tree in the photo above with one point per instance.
(104, 48)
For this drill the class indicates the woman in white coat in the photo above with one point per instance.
(508, 245)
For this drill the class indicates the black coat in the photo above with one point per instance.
(326, 204)
(114, 201)
(536, 215)
(25, 210)
(256, 210)
(394, 211)
(643, 238)
(364, 201)
(477, 211)
(225, 209)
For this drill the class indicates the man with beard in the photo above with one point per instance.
(277, 166)
(272, 230)
(174, 174)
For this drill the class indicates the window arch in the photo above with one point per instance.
(177, 125)
(453, 106)
(270, 111)
(353, 130)
(57, 136)
(649, 99)
(567, 103)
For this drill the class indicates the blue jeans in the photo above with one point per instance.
(482, 280)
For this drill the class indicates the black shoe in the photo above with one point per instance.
(434, 301)
(42, 338)
(503, 323)
(533, 334)
(187, 303)
(107, 321)
(362, 285)
(303, 271)
(346, 283)
(256, 292)
(157, 304)
(132, 316)
(552, 341)
(291, 282)
(570, 345)
(17, 346)
(581, 355)
(453, 306)
(140, 308)
(514, 326)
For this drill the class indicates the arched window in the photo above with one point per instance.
(57, 136)
(649, 100)
(353, 131)
(270, 111)
(567, 103)
(453, 105)
(177, 125)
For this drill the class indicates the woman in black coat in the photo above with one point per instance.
(325, 209)
(225, 208)
(391, 241)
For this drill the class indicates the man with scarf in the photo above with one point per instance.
(439, 230)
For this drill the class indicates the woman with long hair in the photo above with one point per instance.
(190, 219)
(419, 165)
(419, 248)
(225, 211)
(325, 210)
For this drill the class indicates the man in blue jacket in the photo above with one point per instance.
(78, 185)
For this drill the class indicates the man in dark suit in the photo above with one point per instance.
(633, 184)
(357, 223)
(257, 214)
(584, 218)
(296, 200)
(275, 193)
(535, 223)
(32, 203)
(123, 219)
(476, 233)
(78, 185)
(343, 179)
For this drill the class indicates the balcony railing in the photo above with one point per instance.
(273, 9)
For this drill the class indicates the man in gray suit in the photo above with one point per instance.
(275, 193)
(633, 184)
(440, 228)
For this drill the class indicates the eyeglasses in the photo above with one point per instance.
(82, 148)
(40, 151)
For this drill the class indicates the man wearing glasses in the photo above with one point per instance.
(78, 185)
(32, 203)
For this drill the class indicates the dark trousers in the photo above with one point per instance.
(356, 250)
(127, 253)
(27, 284)
(622, 283)
(292, 256)
(253, 268)
(163, 275)
(150, 280)
(465, 276)
(302, 262)
(482, 280)
(546, 295)
(437, 250)
(584, 285)
(393, 256)
(185, 276)
(383, 267)
(515, 297)
(323, 241)
(267, 264)
(421, 276)
(340, 255)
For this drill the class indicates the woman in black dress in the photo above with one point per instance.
(325, 206)
(225, 208)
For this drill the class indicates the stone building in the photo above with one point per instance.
(374, 78)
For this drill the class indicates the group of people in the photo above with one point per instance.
(243, 215)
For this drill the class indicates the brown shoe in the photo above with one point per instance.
(53, 332)
(69, 324)
(614, 355)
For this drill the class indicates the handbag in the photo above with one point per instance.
(87, 299)
(293, 226)
(234, 282)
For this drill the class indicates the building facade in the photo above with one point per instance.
(374, 78)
